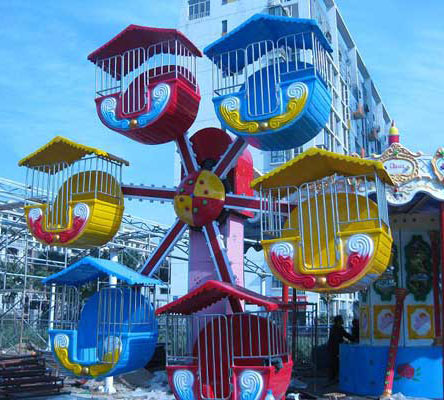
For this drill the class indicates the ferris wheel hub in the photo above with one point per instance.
(199, 198)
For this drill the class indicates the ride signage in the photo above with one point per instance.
(399, 167)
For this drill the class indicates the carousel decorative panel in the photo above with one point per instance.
(420, 321)
(383, 317)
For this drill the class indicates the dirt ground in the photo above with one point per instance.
(142, 384)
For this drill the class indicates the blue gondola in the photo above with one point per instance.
(114, 332)
(270, 81)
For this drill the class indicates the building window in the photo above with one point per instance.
(275, 283)
(277, 157)
(224, 27)
(281, 156)
(278, 11)
(297, 151)
(198, 9)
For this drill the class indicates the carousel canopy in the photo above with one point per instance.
(60, 150)
(135, 36)
(90, 268)
(266, 27)
(211, 292)
(315, 164)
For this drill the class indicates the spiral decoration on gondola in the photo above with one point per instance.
(251, 385)
(183, 381)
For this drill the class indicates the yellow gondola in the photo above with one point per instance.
(74, 196)
(320, 229)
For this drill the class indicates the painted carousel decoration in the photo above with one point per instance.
(270, 80)
(320, 229)
(146, 85)
(113, 331)
(438, 164)
(237, 356)
(74, 197)
(417, 223)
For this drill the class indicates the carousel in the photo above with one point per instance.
(400, 314)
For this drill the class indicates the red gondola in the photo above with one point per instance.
(146, 85)
(234, 356)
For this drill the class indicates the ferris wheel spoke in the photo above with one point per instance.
(155, 260)
(185, 149)
(220, 259)
(229, 158)
(243, 203)
(148, 193)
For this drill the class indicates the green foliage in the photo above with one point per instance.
(419, 267)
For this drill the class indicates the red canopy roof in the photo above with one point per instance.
(135, 36)
(211, 292)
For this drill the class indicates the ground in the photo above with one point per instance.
(142, 384)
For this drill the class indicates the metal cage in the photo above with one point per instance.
(56, 185)
(262, 66)
(115, 309)
(129, 74)
(325, 208)
(217, 343)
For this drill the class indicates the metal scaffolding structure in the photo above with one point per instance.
(25, 304)
(25, 311)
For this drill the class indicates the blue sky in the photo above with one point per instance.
(402, 44)
(47, 85)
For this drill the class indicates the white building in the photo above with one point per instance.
(359, 121)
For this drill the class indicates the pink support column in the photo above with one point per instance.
(393, 349)
(201, 267)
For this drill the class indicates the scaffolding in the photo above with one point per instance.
(26, 306)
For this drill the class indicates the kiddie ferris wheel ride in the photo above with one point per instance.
(147, 90)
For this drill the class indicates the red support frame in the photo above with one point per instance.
(394, 341)
(166, 245)
(434, 238)
(442, 282)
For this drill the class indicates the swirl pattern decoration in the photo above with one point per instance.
(161, 95)
(359, 249)
(35, 214)
(251, 384)
(296, 94)
(360, 244)
(183, 381)
(282, 261)
(284, 250)
(230, 111)
(297, 90)
(108, 110)
(61, 341)
(81, 210)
